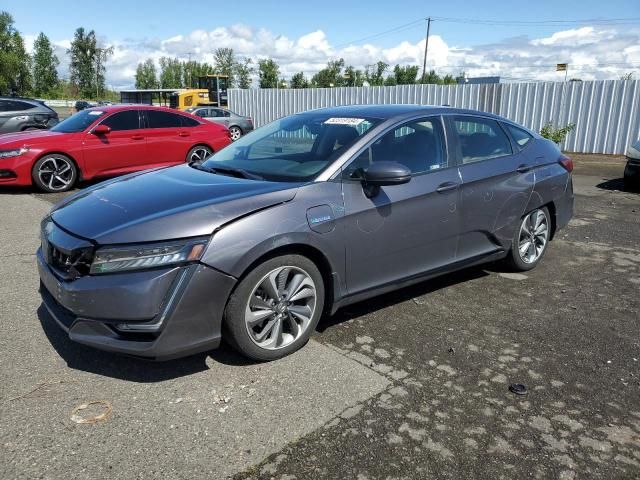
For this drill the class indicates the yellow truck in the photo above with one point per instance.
(208, 90)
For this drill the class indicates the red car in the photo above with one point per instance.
(106, 141)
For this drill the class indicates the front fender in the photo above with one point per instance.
(239, 244)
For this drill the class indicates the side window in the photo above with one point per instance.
(418, 145)
(160, 119)
(189, 122)
(202, 113)
(4, 106)
(481, 139)
(226, 113)
(522, 137)
(216, 113)
(16, 105)
(127, 120)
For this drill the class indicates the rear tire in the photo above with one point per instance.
(198, 154)
(236, 132)
(54, 173)
(530, 240)
(275, 308)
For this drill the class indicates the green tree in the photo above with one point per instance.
(243, 72)
(390, 81)
(82, 66)
(298, 80)
(146, 75)
(268, 73)
(192, 70)
(45, 63)
(225, 63)
(170, 73)
(374, 74)
(330, 76)
(102, 55)
(405, 75)
(15, 74)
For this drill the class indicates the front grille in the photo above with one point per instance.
(72, 264)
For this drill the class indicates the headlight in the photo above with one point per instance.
(137, 257)
(13, 153)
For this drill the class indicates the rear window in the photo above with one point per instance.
(481, 139)
(521, 137)
(160, 119)
(189, 122)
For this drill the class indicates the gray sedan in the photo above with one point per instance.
(310, 213)
(238, 125)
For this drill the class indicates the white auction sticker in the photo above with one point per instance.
(344, 121)
(95, 112)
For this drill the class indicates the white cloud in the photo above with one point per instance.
(592, 53)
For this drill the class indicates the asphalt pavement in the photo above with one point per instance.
(413, 384)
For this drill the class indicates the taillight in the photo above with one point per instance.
(566, 162)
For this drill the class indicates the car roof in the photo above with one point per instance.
(131, 106)
(385, 112)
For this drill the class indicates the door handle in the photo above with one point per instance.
(445, 187)
(137, 137)
(183, 134)
(524, 168)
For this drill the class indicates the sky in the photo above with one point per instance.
(518, 40)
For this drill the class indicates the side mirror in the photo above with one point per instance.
(101, 130)
(380, 174)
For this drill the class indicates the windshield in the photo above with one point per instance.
(292, 149)
(78, 122)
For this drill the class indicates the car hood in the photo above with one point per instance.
(27, 138)
(165, 204)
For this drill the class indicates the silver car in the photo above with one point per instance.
(238, 125)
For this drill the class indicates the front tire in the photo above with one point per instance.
(531, 240)
(54, 173)
(275, 308)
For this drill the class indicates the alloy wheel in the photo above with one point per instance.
(280, 307)
(235, 132)
(534, 234)
(199, 154)
(56, 173)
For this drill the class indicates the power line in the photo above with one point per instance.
(549, 23)
(597, 21)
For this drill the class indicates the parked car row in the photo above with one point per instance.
(106, 141)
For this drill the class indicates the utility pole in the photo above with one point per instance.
(190, 84)
(426, 49)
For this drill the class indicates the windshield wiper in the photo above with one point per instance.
(232, 171)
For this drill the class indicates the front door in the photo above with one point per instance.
(405, 230)
(123, 149)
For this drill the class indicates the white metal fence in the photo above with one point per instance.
(606, 113)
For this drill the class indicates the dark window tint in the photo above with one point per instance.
(4, 106)
(481, 139)
(522, 137)
(225, 113)
(160, 119)
(127, 120)
(216, 113)
(203, 112)
(17, 106)
(418, 145)
(189, 122)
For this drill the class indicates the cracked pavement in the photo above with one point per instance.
(412, 384)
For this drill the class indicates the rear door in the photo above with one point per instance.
(168, 137)
(497, 181)
(405, 230)
(123, 149)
